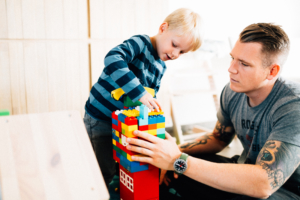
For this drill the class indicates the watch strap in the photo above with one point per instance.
(184, 156)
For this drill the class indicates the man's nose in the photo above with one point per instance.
(233, 67)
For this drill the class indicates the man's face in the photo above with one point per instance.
(247, 74)
(170, 46)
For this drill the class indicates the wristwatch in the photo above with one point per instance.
(180, 164)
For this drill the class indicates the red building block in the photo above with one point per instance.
(115, 127)
(131, 121)
(142, 185)
(143, 128)
(114, 116)
(120, 127)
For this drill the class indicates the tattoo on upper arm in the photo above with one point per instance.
(280, 160)
(224, 133)
(202, 140)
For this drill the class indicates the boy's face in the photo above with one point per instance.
(169, 45)
(247, 73)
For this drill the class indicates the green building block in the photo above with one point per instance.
(128, 102)
(4, 112)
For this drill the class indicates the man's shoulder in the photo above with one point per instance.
(288, 87)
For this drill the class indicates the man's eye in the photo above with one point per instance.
(245, 64)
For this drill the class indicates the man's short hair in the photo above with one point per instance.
(275, 42)
(186, 22)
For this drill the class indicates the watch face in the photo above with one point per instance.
(180, 165)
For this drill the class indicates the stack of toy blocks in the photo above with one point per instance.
(138, 181)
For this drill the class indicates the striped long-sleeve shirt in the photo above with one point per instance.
(132, 65)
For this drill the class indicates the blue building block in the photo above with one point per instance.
(160, 119)
(118, 155)
(113, 131)
(160, 131)
(121, 117)
(132, 166)
(152, 119)
(142, 122)
(115, 138)
(115, 122)
(143, 112)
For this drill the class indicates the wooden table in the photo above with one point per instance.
(48, 156)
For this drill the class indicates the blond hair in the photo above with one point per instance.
(185, 21)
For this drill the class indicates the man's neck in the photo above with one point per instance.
(258, 96)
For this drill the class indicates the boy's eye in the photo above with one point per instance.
(174, 45)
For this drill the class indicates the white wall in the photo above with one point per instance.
(229, 17)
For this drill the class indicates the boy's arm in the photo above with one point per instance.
(116, 67)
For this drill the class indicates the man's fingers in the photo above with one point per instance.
(145, 136)
(141, 150)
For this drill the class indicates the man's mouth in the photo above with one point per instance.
(233, 80)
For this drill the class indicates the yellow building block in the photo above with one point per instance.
(114, 142)
(152, 132)
(117, 133)
(155, 113)
(132, 127)
(131, 113)
(160, 125)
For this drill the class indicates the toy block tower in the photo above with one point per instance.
(138, 181)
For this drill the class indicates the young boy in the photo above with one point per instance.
(136, 63)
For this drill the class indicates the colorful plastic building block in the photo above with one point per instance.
(138, 181)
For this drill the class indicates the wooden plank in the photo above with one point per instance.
(9, 180)
(36, 77)
(82, 19)
(70, 10)
(40, 19)
(17, 81)
(128, 19)
(112, 19)
(142, 16)
(42, 77)
(5, 86)
(49, 159)
(48, 156)
(97, 19)
(28, 16)
(3, 20)
(84, 75)
(72, 80)
(14, 19)
(97, 60)
(54, 19)
(56, 76)
(24, 154)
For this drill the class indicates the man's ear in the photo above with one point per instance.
(163, 27)
(274, 71)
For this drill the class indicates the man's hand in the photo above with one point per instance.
(158, 152)
(150, 102)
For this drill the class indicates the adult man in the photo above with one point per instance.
(258, 106)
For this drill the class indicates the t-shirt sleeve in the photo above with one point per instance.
(116, 66)
(286, 123)
(223, 114)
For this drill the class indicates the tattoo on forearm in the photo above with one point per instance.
(223, 133)
(199, 141)
(279, 160)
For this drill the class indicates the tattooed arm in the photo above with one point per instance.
(279, 160)
(213, 142)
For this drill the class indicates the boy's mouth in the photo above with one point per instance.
(168, 57)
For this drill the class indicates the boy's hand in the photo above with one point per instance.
(150, 102)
